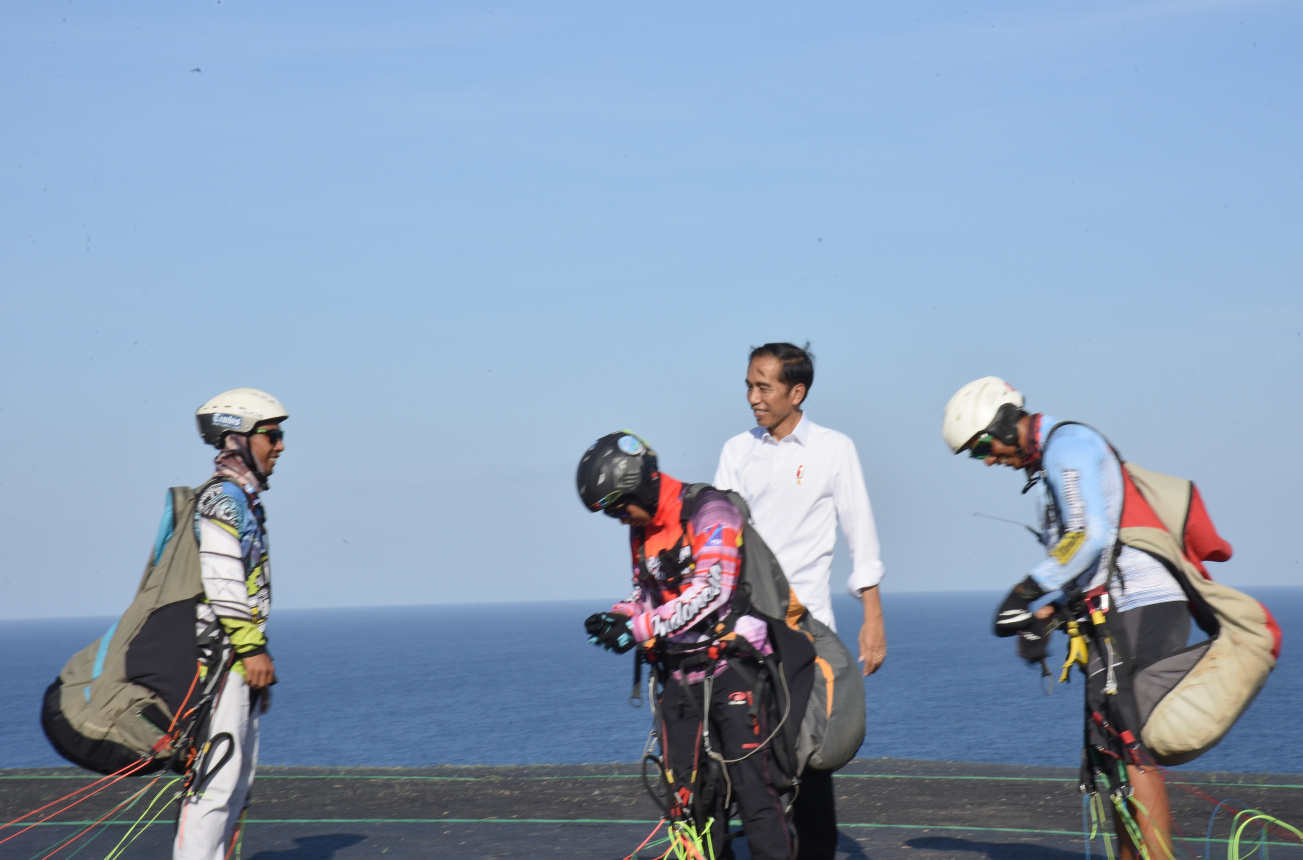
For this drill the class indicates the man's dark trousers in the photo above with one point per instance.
(815, 816)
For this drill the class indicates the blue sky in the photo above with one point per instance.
(461, 241)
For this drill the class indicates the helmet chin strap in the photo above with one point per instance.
(252, 460)
(258, 468)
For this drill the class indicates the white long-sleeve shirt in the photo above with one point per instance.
(798, 489)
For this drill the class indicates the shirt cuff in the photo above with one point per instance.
(862, 578)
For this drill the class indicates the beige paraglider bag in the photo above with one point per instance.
(1189, 700)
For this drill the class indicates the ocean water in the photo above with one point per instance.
(518, 684)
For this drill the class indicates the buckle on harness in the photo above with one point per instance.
(726, 646)
(1097, 603)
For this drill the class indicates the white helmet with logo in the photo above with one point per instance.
(237, 411)
(974, 408)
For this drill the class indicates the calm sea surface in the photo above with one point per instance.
(518, 684)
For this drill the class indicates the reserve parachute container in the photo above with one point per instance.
(831, 729)
(133, 695)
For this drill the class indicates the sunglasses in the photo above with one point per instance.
(617, 507)
(274, 434)
(982, 447)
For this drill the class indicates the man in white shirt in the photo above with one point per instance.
(800, 480)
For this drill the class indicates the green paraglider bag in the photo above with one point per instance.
(117, 700)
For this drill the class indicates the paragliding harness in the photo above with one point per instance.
(1187, 700)
(814, 724)
(140, 699)
(690, 801)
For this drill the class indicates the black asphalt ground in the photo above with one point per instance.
(887, 808)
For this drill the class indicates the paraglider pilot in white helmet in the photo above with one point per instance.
(245, 426)
(1143, 608)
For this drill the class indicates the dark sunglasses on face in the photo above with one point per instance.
(274, 434)
(619, 509)
(982, 447)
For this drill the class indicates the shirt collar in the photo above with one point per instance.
(799, 435)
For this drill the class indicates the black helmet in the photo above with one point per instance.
(619, 464)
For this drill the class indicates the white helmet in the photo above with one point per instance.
(237, 411)
(974, 407)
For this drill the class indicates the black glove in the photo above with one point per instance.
(610, 630)
(1015, 613)
(1034, 641)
